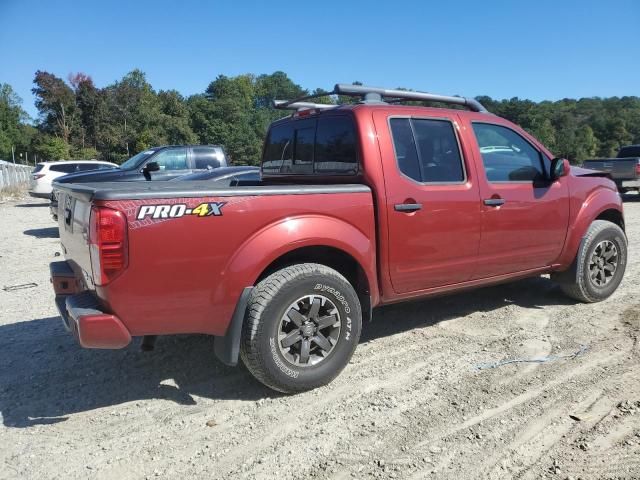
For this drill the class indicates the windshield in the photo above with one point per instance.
(136, 160)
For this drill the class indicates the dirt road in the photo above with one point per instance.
(417, 401)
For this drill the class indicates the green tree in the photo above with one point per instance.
(90, 103)
(586, 143)
(49, 147)
(12, 118)
(56, 103)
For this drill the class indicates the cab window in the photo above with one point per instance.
(326, 145)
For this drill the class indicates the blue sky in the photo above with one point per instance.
(530, 49)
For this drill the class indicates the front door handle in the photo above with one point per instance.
(494, 202)
(407, 207)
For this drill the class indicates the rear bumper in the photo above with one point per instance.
(53, 208)
(630, 183)
(81, 312)
(39, 195)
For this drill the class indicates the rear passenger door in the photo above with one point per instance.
(433, 206)
(524, 216)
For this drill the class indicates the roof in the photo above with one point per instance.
(53, 162)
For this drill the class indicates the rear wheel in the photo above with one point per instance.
(599, 265)
(303, 324)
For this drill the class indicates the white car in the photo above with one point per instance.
(46, 172)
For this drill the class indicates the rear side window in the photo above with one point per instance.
(630, 151)
(63, 167)
(427, 150)
(39, 167)
(206, 158)
(322, 146)
(506, 156)
(88, 166)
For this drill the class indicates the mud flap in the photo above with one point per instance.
(227, 348)
(570, 275)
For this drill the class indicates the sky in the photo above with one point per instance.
(541, 50)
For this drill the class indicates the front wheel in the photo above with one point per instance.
(302, 325)
(599, 265)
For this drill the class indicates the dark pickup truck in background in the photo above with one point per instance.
(157, 163)
(624, 169)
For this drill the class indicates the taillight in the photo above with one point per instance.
(638, 168)
(38, 175)
(108, 244)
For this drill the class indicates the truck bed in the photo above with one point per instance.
(196, 247)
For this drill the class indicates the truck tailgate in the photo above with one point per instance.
(73, 222)
(618, 168)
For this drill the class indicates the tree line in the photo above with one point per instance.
(78, 120)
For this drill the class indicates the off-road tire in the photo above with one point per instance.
(270, 300)
(576, 282)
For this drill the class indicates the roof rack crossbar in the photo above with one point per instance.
(363, 91)
(376, 95)
(295, 105)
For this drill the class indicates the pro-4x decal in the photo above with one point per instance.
(180, 210)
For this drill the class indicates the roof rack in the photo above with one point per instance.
(375, 95)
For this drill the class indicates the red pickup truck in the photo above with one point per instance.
(359, 205)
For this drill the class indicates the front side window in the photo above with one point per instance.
(206, 158)
(172, 159)
(507, 157)
(427, 150)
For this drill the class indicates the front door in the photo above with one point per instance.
(433, 203)
(524, 216)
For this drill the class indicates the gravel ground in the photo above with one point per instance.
(412, 404)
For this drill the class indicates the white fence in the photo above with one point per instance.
(12, 175)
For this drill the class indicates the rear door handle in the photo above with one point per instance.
(494, 202)
(407, 207)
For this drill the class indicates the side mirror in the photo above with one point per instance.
(152, 167)
(560, 167)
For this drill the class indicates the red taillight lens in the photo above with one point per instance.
(638, 168)
(108, 244)
(38, 175)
